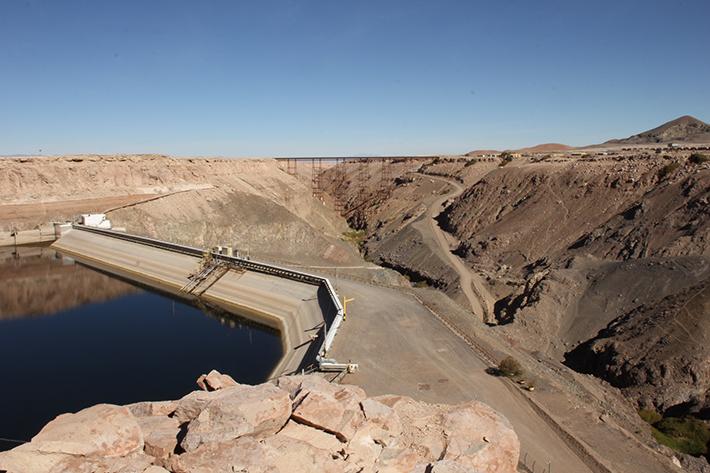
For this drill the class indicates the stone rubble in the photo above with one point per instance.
(296, 424)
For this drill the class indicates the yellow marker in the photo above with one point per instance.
(345, 306)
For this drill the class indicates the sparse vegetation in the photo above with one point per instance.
(354, 236)
(650, 416)
(698, 158)
(667, 170)
(686, 435)
(510, 367)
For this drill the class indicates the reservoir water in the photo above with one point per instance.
(71, 337)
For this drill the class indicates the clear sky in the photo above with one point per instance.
(264, 78)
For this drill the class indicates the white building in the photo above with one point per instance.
(95, 220)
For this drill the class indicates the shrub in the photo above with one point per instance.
(698, 158)
(510, 367)
(687, 435)
(354, 236)
(667, 170)
(650, 415)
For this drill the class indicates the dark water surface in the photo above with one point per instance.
(71, 337)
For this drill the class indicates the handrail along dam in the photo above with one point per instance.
(303, 307)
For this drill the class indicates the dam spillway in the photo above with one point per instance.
(303, 307)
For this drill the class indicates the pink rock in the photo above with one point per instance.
(397, 460)
(104, 430)
(192, 404)
(157, 408)
(312, 436)
(363, 449)
(481, 439)
(383, 416)
(448, 466)
(160, 435)
(130, 463)
(236, 411)
(333, 408)
(275, 454)
(214, 381)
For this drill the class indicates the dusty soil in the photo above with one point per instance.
(656, 353)
(27, 215)
(253, 204)
(568, 247)
(558, 251)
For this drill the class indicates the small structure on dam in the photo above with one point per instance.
(303, 307)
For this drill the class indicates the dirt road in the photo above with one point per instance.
(402, 348)
(472, 285)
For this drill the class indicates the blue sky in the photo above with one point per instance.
(261, 78)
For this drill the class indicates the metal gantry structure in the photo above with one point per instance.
(339, 172)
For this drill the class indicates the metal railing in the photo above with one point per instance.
(337, 308)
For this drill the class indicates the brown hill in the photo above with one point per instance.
(541, 148)
(657, 353)
(685, 129)
(479, 152)
(545, 148)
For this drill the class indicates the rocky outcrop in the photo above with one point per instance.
(296, 424)
(215, 380)
(685, 129)
(99, 434)
(269, 212)
(658, 354)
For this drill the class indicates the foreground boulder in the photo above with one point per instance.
(214, 380)
(99, 432)
(297, 424)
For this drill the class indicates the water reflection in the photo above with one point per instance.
(71, 337)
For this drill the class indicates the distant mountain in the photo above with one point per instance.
(545, 148)
(542, 148)
(479, 152)
(685, 129)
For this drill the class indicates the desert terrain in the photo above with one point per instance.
(589, 266)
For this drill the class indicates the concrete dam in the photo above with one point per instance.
(304, 308)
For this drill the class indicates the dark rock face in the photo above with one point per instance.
(684, 129)
(657, 354)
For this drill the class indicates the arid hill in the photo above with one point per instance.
(657, 353)
(545, 148)
(541, 148)
(581, 255)
(685, 129)
(252, 204)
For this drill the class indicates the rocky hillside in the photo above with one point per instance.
(297, 424)
(685, 129)
(657, 353)
(252, 204)
(570, 247)
(559, 308)
(610, 208)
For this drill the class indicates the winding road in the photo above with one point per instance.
(472, 285)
